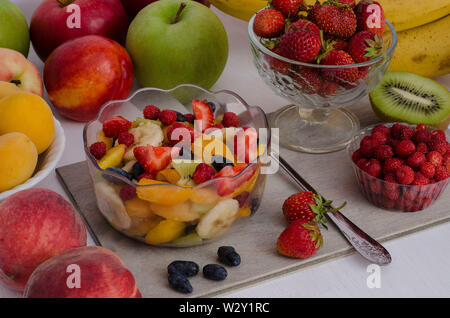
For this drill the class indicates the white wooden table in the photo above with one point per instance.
(421, 261)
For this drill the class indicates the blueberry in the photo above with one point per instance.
(215, 272)
(228, 256)
(213, 106)
(219, 162)
(180, 283)
(185, 268)
(137, 170)
(115, 180)
(180, 117)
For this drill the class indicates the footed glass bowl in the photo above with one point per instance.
(166, 214)
(315, 121)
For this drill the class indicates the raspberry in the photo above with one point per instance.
(441, 173)
(422, 135)
(383, 152)
(405, 148)
(98, 150)
(381, 128)
(373, 168)
(439, 146)
(427, 169)
(396, 129)
(422, 147)
(391, 165)
(146, 175)
(189, 117)
(356, 156)
(378, 138)
(367, 146)
(404, 175)
(125, 138)
(127, 192)
(230, 119)
(435, 158)
(416, 160)
(203, 173)
(420, 179)
(151, 112)
(218, 126)
(167, 117)
(183, 133)
(438, 135)
(115, 125)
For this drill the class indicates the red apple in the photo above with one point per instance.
(84, 73)
(56, 21)
(85, 272)
(35, 225)
(134, 6)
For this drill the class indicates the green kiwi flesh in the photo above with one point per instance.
(407, 97)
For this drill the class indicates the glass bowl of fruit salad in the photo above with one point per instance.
(321, 60)
(401, 167)
(177, 167)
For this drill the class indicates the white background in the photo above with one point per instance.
(421, 261)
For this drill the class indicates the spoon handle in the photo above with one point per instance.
(365, 245)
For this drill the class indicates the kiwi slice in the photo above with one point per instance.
(407, 97)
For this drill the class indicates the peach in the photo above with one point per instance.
(16, 69)
(35, 225)
(85, 272)
(84, 73)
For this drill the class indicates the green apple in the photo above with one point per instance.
(13, 28)
(176, 42)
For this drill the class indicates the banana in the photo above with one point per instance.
(424, 50)
(241, 9)
(145, 134)
(218, 220)
(111, 205)
(408, 14)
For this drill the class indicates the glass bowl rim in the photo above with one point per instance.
(371, 62)
(126, 181)
(368, 129)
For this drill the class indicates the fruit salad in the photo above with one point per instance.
(401, 167)
(174, 179)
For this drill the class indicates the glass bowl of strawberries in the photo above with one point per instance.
(177, 167)
(401, 167)
(322, 59)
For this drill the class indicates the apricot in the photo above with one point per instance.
(29, 114)
(7, 88)
(19, 158)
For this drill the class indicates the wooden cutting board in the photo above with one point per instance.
(255, 240)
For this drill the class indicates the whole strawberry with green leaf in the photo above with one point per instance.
(365, 45)
(301, 239)
(307, 206)
(336, 19)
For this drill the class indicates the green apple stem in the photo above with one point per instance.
(64, 3)
(15, 82)
(182, 6)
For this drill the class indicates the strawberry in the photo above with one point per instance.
(303, 24)
(404, 175)
(383, 152)
(300, 45)
(336, 19)
(114, 126)
(356, 156)
(232, 182)
(373, 168)
(381, 128)
(379, 138)
(276, 64)
(422, 147)
(339, 44)
(441, 173)
(309, 79)
(328, 88)
(370, 17)
(268, 23)
(288, 8)
(420, 179)
(367, 146)
(391, 165)
(396, 130)
(307, 206)
(342, 75)
(203, 114)
(405, 148)
(438, 145)
(154, 159)
(427, 169)
(350, 3)
(300, 239)
(438, 134)
(416, 160)
(365, 45)
(435, 158)
(422, 135)
(246, 144)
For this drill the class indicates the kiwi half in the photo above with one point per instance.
(407, 97)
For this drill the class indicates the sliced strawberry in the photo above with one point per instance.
(204, 114)
(246, 144)
(115, 125)
(154, 159)
(227, 186)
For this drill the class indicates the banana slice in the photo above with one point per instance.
(218, 220)
(111, 205)
(145, 134)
